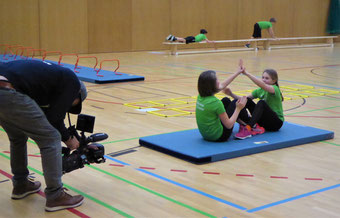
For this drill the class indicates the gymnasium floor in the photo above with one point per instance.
(301, 181)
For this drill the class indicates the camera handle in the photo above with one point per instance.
(97, 137)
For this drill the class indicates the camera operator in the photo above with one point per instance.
(34, 99)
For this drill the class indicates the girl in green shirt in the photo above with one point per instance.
(215, 118)
(268, 112)
(191, 39)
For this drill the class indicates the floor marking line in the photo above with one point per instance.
(331, 143)
(80, 192)
(116, 165)
(147, 168)
(194, 190)
(292, 198)
(213, 173)
(75, 211)
(319, 179)
(278, 177)
(312, 110)
(245, 175)
(116, 160)
(151, 191)
(183, 171)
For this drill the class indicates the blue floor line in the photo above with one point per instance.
(227, 202)
(193, 190)
(115, 160)
(181, 185)
(292, 198)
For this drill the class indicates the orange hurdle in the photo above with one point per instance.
(5, 45)
(61, 56)
(100, 67)
(50, 52)
(22, 52)
(34, 50)
(10, 50)
(76, 65)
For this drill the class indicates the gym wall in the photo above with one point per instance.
(96, 26)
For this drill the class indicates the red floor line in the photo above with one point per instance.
(33, 155)
(30, 155)
(214, 173)
(184, 171)
(72, 210)
(245, 175)
(147, 168)
(307, 106)
(116, 165)
(319, 179)
(278, 177)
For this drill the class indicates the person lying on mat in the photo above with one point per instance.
(268, 111)
(216, 118)
(191, 39)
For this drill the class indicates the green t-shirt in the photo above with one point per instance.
(208, 110)
(265, 24)
(200, 37)
(274, 101)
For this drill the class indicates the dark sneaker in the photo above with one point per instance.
(169, 37)
(64, 201)
(247, 45)
(26, 188)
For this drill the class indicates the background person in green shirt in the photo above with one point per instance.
(268, 111)
(261, 25)
(190, 39)
(215, 118)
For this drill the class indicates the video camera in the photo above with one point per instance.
(88, 151)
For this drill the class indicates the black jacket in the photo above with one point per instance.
(52, 87)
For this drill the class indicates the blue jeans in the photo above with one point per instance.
(21, 117)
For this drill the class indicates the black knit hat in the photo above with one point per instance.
(82, 95)
(203, 31)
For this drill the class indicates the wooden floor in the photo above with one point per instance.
(301, 181)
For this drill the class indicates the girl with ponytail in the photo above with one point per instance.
(267, 114)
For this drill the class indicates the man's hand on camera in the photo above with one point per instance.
(72, 143)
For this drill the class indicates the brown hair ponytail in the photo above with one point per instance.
(273, 74)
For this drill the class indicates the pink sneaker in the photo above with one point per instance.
(243, 133)
(257, 130)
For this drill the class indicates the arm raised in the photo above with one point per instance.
(260, 83)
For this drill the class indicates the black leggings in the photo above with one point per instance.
(230, 108)
(262, 114)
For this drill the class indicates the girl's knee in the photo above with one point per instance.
(226, 100)
(261, 102)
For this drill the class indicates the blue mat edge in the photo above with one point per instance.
(175, 154)
(228, 155)
(87, 79)
(271, 147)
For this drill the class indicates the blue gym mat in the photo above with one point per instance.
(88, 74)
(190, 146)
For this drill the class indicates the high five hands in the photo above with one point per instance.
(241, 68)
